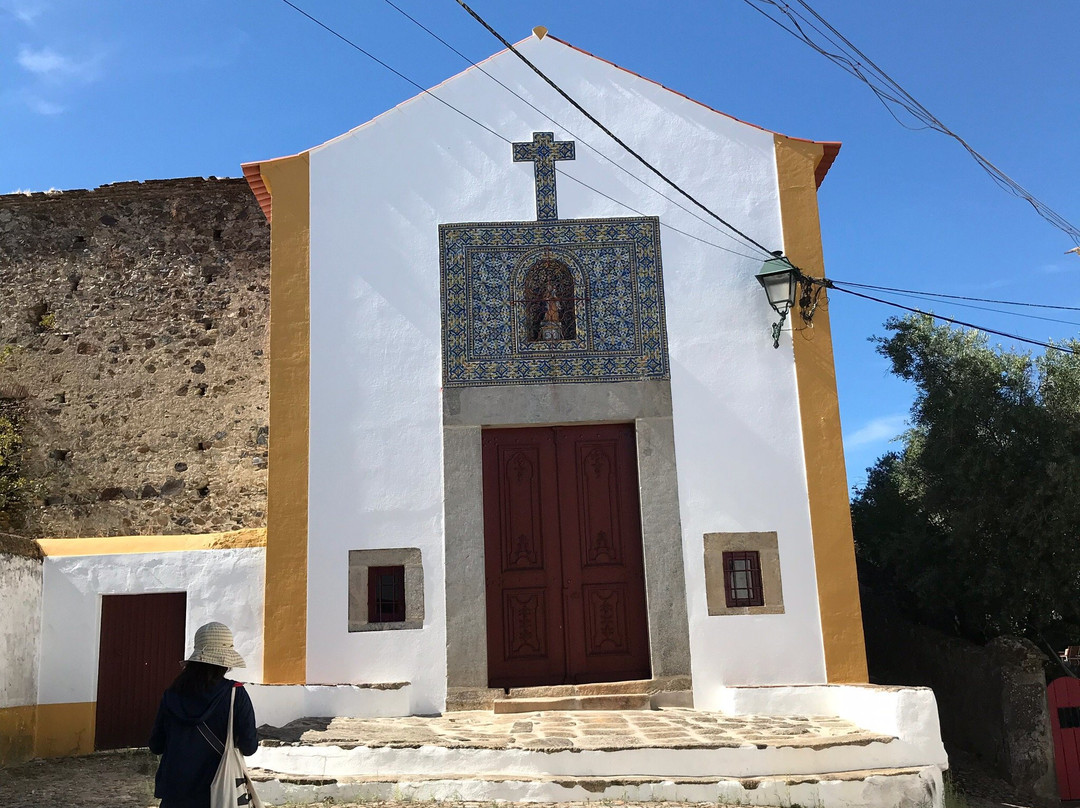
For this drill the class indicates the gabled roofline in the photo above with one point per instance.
(253, 171)
(831, 147)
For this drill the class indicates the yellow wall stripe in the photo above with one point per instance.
(64, 730)
(823, 447)
(285, 610)
(126, 545)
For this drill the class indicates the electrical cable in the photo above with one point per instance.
(934, 299)
(1047, 345)
(662, 222)
(765, 250)
(819, 281)
(892, 94)
(956, 297)
(508, 141)
(397, 73)
(562, 126)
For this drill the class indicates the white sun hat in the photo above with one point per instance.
(214, 646)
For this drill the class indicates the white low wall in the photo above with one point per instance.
(909, 714)
(277, 705)
(20, 627)
(432, 761)
(920, 788)
(223, 585)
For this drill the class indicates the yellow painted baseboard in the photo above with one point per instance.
(65, 730)
(17, 726)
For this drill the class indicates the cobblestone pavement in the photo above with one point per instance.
(598, 730)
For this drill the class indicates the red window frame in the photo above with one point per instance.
(386, 594)
(742, 578)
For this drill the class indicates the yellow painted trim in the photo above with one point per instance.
(127, 545)
(17, 734)
(64, 730)
(285, 609)
(823, 447)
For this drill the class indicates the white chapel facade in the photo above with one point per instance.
(528, 424)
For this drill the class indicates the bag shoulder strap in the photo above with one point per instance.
(211, 738)
(208, 734)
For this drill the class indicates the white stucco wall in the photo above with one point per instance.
(909, 714)
(378, 195)
(20, 623)
(277, 705)
(222, 585)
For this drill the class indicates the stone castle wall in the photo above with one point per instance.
(133, 348)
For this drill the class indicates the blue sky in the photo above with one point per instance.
(115, 90)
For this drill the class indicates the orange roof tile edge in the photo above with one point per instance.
(831, 147)
(253, 175)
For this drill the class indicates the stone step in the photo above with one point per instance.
(603, 701)
(601, 688)
(667, 691)
(894, 786)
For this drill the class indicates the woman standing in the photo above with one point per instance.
(195, 704)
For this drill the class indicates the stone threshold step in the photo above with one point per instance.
(666, 691)
(650, 686)
(607, 701)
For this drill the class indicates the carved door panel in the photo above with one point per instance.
(563, 556)
(603, 569)
(522, 558)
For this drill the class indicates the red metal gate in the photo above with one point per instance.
(1063, 696)
(142, 644)
(563, 556)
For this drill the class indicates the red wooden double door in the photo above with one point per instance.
(563, 556)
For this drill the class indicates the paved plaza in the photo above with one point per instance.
(573, 730)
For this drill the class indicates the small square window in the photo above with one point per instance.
(386, 594)
(742, 578)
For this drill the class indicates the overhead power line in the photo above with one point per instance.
(936, 299)
(815, 31)
(819, 281)
(397, 73)
(1006, 334)
(958, 297)
(578, 138)
(765, 250)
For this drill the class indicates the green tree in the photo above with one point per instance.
(975, 522)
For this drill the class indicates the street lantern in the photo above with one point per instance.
(779, 279)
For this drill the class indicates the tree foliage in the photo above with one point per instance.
(975, 522)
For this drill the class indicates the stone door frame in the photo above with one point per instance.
(647, 404)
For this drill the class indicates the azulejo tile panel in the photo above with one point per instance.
(618, 302)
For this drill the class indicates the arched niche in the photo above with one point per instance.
(552, 300)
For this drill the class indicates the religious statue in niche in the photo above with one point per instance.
(549, 301)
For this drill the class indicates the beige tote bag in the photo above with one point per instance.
(232, 787)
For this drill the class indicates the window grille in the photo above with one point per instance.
(742, 578)
(386, 594)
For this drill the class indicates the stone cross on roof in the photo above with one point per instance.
(543, 152)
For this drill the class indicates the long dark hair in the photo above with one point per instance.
(197, 678)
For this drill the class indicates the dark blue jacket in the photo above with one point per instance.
(188, 763)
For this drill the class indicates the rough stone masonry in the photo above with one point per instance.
(133, 340)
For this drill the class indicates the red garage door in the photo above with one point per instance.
(142, 645)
